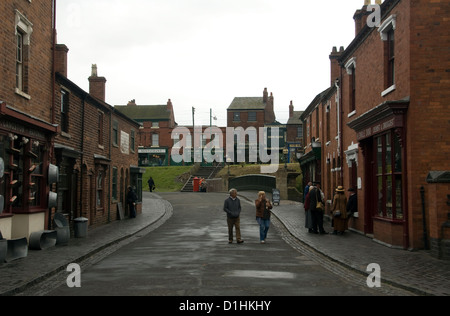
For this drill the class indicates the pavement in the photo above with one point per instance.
(414, 271)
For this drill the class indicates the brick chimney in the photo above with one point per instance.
(61, 59)
(361, 16)
(335, 67)
(269, 111)
(265, 95)
(132, 103)
(291, 110)
(97, 85)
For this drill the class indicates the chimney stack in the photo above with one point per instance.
(97, 85)
(61, 59)
(291, 110)
(265, 95)
(132, 103)
(361, 16)
(335, 67)
(169, 105)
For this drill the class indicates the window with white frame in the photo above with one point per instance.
(24, 29)
(155, 140)
(387, 33)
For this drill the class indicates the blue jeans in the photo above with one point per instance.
(264, 225)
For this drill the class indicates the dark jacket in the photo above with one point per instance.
(352, 205)
(232, 207)
(260, 207)
(131, 197)
(314, 197)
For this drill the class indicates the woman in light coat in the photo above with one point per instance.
(263, 207)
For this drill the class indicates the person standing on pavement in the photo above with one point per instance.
(316, 213)
(308, 218)
(232, 206)
(352, 205)
(131, 200)
(263, 214)
(339, 210)
(306, 191)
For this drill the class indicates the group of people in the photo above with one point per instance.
(342, 209)
(232, 207)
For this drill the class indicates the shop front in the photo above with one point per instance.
(381, 133)
(25, 149)
(153, 157)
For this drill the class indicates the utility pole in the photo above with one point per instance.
(193, 117)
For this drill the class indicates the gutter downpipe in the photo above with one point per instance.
(83, 103)
(337, 83)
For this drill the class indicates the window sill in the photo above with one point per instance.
(351, 114)
(22, 94)
(388, 90)
(66, 135)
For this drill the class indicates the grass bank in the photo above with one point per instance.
(166, 178)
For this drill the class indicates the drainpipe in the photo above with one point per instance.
(53, 61)
(424, 221)
(337, 83)
(83, 105)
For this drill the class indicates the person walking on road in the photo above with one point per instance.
(339, 210)
(151, 184)
(131, 200)
(232, 206)
(263, 213)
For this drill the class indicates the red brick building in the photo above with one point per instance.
(294, 133)
(96, 150)
(155, 136)
(385, 129)
(27, 119)
(47, 121)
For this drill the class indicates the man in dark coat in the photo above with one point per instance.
(232, 206)
(352, 204)
(131, 200)
(315, 196)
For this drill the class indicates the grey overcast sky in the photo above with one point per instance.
(203, 53)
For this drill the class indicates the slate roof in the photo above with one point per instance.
(247, 103)
(145, 112)
(295, 120)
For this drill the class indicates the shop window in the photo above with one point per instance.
(37, 174)
(389, 176)
(4, 143)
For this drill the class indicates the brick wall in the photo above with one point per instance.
(37, 57)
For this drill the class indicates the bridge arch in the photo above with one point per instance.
(253, 183)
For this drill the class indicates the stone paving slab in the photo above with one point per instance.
(21, 274)
(416, 271)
